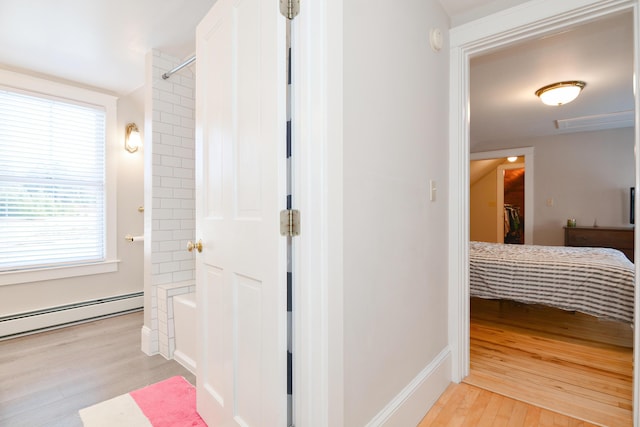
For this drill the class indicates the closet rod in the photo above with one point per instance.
(168, 74)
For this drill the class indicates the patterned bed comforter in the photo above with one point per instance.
(595, 281)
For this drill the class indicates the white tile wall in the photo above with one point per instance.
(166, 328)
(173, 207)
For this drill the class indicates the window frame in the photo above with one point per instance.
(74, 94)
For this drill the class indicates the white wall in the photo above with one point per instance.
(395, 239)
(25, 297)
(131, 190)
(587, 175)
(483, 196)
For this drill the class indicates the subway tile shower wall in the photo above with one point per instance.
(173, 171)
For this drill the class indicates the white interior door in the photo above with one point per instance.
(240, 188)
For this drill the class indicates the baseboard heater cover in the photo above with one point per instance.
(64, 315)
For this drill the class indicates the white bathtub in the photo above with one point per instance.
(184, 318)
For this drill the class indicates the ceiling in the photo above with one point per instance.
(504, 108)
(97, 43)
(103, 43)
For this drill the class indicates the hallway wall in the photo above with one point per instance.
(395, 91)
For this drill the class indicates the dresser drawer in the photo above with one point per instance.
(601, 237)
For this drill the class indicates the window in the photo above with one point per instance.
(54, 196)
(51, 182)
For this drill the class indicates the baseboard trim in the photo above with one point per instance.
(148, 344)
(415, 400)
(185, 361)
(149, 341)
(57, 317)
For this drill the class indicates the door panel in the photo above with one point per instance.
(248, 347)
(214, 295)
(240, 189)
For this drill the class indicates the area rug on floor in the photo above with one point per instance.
(169, 403)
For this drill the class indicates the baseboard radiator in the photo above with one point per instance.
(56, 317)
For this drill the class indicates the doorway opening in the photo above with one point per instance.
(553, 18)
(510, 185)
(487, 196)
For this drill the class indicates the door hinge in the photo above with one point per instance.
(290, 222)
(289, 8)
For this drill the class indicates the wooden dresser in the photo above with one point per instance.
(620, 238)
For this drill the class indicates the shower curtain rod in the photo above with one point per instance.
(168, 74)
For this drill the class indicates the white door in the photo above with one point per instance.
(240, 189)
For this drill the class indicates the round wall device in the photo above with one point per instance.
(435, 38)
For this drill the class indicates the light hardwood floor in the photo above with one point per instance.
(533, 365)
(46, 378)
(467, 405)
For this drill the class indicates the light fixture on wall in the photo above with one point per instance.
(132, 140)
(560, 93)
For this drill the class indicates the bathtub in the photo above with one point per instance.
(184, 318)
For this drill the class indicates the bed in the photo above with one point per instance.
(594, 281)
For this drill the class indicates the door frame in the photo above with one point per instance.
(317, 253)
(528, 20)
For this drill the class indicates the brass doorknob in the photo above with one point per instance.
(192, 245)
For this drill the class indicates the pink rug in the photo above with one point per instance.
(169, 403)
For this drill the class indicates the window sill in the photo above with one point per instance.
(52, 273)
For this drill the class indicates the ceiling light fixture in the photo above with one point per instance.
(512, 158)
(560, 93)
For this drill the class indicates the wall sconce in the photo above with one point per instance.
(132, 140)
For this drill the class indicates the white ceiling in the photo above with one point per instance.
(504, 107)
(98, 43)
(102, 44)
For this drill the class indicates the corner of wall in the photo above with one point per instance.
(414, 401)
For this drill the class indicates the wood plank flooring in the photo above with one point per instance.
(467, 405)
(46, 378)
(565, 362)
(529, 366)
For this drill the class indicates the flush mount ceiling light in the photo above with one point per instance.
(560, 93)
(512, 159)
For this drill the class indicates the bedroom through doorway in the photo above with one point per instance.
(563, 360)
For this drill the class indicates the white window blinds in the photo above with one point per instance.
(52, 182)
